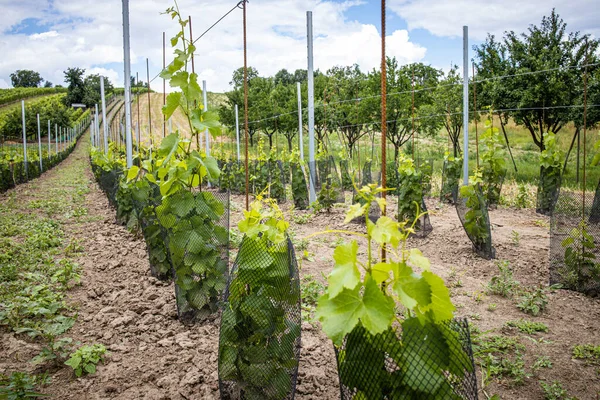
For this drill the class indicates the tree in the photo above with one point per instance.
(76, 86)
(25, 78)
(399, 108)
(540, 97)
(92, 95)
(283, 77)
(345, 111)
(256, 101)
(48, 84)
(448, 102)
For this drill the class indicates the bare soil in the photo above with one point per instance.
(154, 356)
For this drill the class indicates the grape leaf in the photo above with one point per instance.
(345, 274)
(441, 305)
(378, 308)
(340, 315)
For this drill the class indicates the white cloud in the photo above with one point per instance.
(4, 84)
(89, 35)
(446, 18)
(43, 35)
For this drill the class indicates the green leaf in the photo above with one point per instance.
(441, 306)
(355, 211)
(173, 101)
(386, 231)
(340, 315)
(345, 274)
(132, 173)
(381, 272)
(417, 259)
(378, 308)
(168, 145)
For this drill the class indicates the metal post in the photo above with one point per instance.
(311, 111)
(40, 143)
(300, 130)
(97, 128)
(206, 109)
(49, 144)
(466, 105)
(127, 76)
(237, 132)
(56, 137)
(104, 126)
(24, 136)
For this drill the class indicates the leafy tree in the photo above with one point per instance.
(25, 78)
(448, 101)
(539, 96)
(48, 84)
(399, 109)
(345, 84)
(493, 61)
(76, 86)
(92, 94)
(284, 77)
(258, 91)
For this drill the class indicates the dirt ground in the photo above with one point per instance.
(153, 356)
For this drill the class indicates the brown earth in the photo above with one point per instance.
(153, 356)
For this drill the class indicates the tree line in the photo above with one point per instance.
(427, 100)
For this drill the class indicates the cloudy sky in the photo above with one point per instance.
(51, 35)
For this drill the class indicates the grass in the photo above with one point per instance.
(587, 352)
(528, 327)
(37, 259)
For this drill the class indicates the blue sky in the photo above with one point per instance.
(51, 35)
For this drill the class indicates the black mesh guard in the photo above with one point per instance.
(430, 361)
(548, 190)
(195, 228)
(259, 342)
(574, 238)
(476, 222)
(158, 256)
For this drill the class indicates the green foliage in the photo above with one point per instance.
(580, 267)
(476, 222)
(311, 290)
(503, 284)
(48, 107)
(542, 362)
(12, 95)
(21, 385)
(555, 391)
(346, 180)
(523, 200)
(515, 237)
(448, 103)
(587, 352)
(299, 188)
(452, 170)
(528, 327)
(258, 339)
(330, 190)
(194, 241)
(26, 78)
(550, 174)
(189, 219)
(426, 170)
(533, 302)
(500, 356)
(276, 186)
(493, 163)
(409, 190)
(84, 359)
(358, 306)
